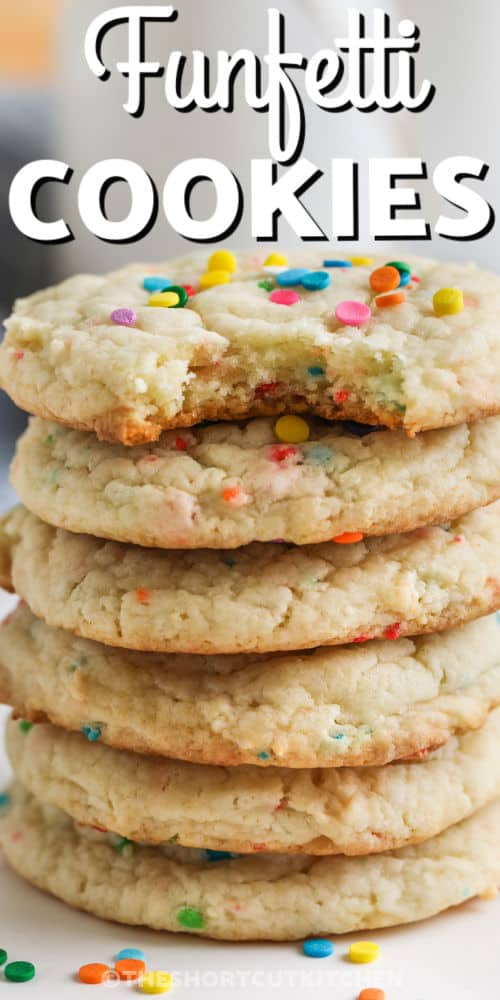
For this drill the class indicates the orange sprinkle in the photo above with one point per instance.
(231, 493)
(130, 968)
(342, 396)
(371, 994)
(94, 974)
(143, 595)
(348, 538)
(385, 279)
(390, 299)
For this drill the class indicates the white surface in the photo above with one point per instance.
(453, 957)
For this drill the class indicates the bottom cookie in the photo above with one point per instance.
(268, 897)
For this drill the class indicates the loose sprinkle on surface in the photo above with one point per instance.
(189, 917)
(292, 430)
(131, 953)
(371, 994)
(20, 972)
(318, 948)
(448, 302)
(351, 313)
(124, 317)
(156, 982)
(3, 956)
(130, 968)
(94, 973)
(362, 952)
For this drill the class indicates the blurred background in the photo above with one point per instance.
(51, 105)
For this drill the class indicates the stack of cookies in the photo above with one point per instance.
(257, 660)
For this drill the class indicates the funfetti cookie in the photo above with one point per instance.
(275, 897)
(259, 598)
(352, 811)
(169, 345)
(226, 485)
(355, 705)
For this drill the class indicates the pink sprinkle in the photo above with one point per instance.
(361, 638)
(16, 836)
(458, 538)
(18, 355)
(416, 279)
(124, 317)
(280, 452)
(353, 313)
(284, 297)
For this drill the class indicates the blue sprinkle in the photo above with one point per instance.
(337, 263)
(316, 371)
(131, 953)
(319, 454)
(4, 800)
(157, 284)
(336, 736)
(316, 280)
(318, 948)
(92, 733)
(263, 755)
(404, 279)
(213, 856)
(292, 277)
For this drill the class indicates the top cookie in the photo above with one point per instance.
(94, 353)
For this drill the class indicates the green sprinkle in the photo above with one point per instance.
(20, 972)
(3, 956)
(49, 440)
(316, 371)
(189, 917)
(92, 733)
(25, 726)
(121, 844)
(268, 286)
(400, 266)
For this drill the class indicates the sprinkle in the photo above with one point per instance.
(94, 974)
(156, 284)
(405, 278)
(361, 638)
(164, 300)
(284, 297)
(231, 563)
(130, 968)
(25, 726)
(214, 856)
(131, 953)
(211, 278)
(189, 290)
(292, 430)
(49, 440)
(268, 286)
(3, 956)
(234, 495)
(5, 798)
(337, 263)
(318, 948)
(316, 371)
(319, 454)
(180, 444)
(124, 317)
(18, 355)
(189, 917)
(371, 994)
(19, 972)
(490, 893)
(279, 453)
(363, 951)
(393, 631)
(448, 302)
(348, 538)
(182, 294)
(121, 844)
(315, 281)
(400, 266)
(276, 260)
(361, 261)
(143, 595)
(341, 396)
(385, 279)
(156, 982)
(264, 755)
(266, 389)
(223, 260)
(389, 300)
(353, 313)
(294, 276)
(416, 280)
(92, 732)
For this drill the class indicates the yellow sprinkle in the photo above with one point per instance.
(211, 278)
(490, 893)
(361, 261)
(276, 260)
(156, 982)
(168, 300)
(222, 260)
(448, 302)
(292, 430)
(363, 951)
